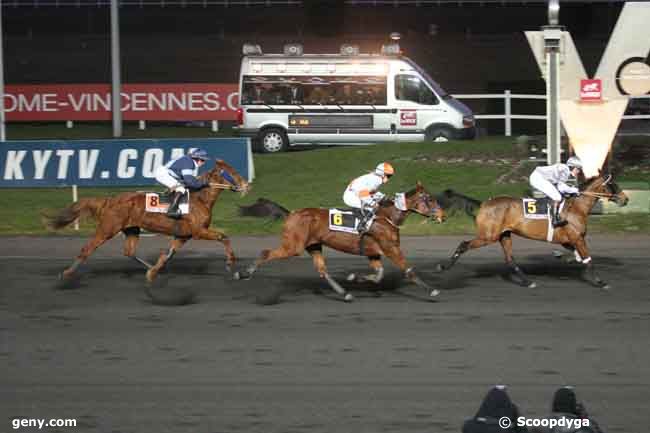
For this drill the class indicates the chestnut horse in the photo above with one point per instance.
(308, 229)
(500, 216)
(126, 212)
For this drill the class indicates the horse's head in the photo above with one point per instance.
(223, 176)
(420, 201)
(605, 187)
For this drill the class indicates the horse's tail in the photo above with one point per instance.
(85, 206)
(264, 208)
(451, 200)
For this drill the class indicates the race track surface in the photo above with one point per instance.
(280, 352)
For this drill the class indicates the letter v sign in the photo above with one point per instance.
(591, 126)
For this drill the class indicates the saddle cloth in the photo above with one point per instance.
(538, 208)
(159, 203)
(346, 220)
(541, 209)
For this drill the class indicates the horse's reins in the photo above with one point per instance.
(221, 186)
(598, 194)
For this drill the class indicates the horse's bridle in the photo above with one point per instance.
(606, 195)
(427, 199)
(228, 178)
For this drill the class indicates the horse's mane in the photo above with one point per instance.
(452, 201)
(206, 175)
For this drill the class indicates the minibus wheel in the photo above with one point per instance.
(273, 140)
(439, 133)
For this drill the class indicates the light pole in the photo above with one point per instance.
(115, 63)
(552, 49)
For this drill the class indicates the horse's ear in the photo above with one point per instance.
(418, 186)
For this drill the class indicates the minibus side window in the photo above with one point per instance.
(410, 88)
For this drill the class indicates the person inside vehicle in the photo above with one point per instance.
(566, 405)
(318, 96)
(363, 193)
(179, 175)
(551, 180)
(497, 414)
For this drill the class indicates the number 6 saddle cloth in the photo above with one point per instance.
(346, 220)
(159, 203)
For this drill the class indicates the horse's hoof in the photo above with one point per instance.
(532, 285)
(241, 275)
(434, 293)
(151, 276)
(348, 297)
(351, 277)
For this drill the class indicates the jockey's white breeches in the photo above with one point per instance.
(164, 177)
(538, 182)
(352, 199)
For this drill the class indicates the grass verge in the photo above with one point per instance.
(317, 177)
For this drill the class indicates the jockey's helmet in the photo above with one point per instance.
(199, 154)
(574, 161)
(384, 169)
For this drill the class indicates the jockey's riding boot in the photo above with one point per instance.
(557, 222)
(172, 210)
(366, 216)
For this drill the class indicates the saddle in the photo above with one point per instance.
(159, 202)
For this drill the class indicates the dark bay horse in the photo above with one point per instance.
(308, 229)
(126, 213)
(499, 217)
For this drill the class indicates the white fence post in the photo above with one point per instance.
(508, 113)
(75, 198)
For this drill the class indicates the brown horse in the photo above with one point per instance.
(499, 217)
(126, 212)
(308, 229)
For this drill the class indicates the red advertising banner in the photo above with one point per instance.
(180, 101)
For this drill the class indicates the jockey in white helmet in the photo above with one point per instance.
(551, 180)
(362, 193)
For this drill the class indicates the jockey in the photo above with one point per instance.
(551, 180)
(180, 174)
(362, 193)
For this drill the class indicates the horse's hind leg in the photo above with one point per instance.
(165, 256)
(101, 236)
(316, 253)
(506, 244)
(132, 236)
(462, 249)
(376, 265)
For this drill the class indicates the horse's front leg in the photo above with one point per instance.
(165, 256)
(376, 277)
(216, 235)
(589, 273)
(394, 253)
